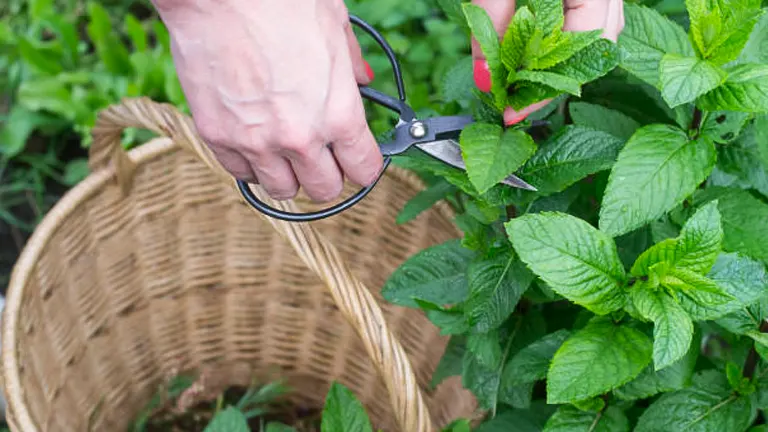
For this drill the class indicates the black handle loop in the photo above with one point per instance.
(399, 106)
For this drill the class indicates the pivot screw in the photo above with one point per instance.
(418, 130)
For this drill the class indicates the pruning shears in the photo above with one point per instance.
(436, 136)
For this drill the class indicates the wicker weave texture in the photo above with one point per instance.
(124, 285)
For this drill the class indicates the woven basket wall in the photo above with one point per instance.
(116, 291)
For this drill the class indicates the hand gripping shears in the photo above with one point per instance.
(436, 136)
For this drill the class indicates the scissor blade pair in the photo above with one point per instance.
(449, 152)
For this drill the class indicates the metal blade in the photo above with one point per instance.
(449, 152)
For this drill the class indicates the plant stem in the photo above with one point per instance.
(698, 116)
(751, 363)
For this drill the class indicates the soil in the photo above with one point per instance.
(197, 417)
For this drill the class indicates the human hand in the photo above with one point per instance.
(270, 84)
(580, 15)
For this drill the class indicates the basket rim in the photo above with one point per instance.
(151, 149)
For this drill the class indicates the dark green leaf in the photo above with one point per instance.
(756, 48)
(591, 63)
(598, 358)
(451, 361)
(604, 119)
(450, 321)
(487, 37)
(683, 79)
(229, 420)
(108, 45)
(569, 156)
(657, 169)
(576, 260)
(745, 89)
(672, 329)
(279, 427)
(744, 279)
(746, 319)
(343, 412)
(17, 128)
(558, 82)
(458, 82)
(436, 274)
(571, 419)
(743, 159)
(40, 60)
(495, 286)
(491, 153)
(531, 419)
(569, 43)
(745, 223)
(424, 200)
(532, 362)
(646, 38)
(709, 405)
(486, 349)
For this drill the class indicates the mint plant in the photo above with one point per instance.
(629, 292)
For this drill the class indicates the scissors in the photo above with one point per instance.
(437, 136)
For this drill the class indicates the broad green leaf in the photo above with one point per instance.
(343, 412)
(570, 43)
(744, 279)
(436, 274)
(695, 249)
(745, 89)
(516, 38)
(646, 38)
(532, 362)
(672, 328)
(527, 93)
(569, 156)
(450, 321)
(709, 405)
(491, 153)
(424, 200)
(108, 45)
(683, 79)
(451, 362)
(558, 82)
(17, 128)
(136, 32)
(575, 259)
(603, 119)
(39, 59)
(495, 286)
(229, 420)
(746, 319)
(745, 223)
(706, 23)
(598, 358)
(591, 63)
(461, 425)
(738, 25)
(571, 419)
(756, 48)
(657, 169)
(549, 15)
(458, 82)
(47, 94)
(674, 377)
(488, 39)
(701, 297)
(531, 419)
(743, 159)
(761, 136)
(279, 427)
(486, 349)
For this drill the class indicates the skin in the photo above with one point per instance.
(272, 85)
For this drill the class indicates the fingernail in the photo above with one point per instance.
(482, 76)
(515, 120)
(369, 71)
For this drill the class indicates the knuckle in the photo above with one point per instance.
(295, 140)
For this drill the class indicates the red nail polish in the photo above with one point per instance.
(516, 120)
(482, 76)
(369, 71)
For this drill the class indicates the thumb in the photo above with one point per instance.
(500, 12)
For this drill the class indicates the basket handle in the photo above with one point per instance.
(353, 299)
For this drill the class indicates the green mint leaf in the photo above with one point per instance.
(598, 358)
(495, 286)
(424, 200)
(450, 321)
(458, 82)
(571, 419)
(745, 223)
(745, 90)
(558, 82)
(575, 259)
(491, 153)
(460, 425)
(230, 419)
(706, 23)
(436, 274)
(516, 38)
(19, 124)
(453, 11)
(532, 362)
(451, 362)
(761, 136)
(733, 374)
(700, 296)
(695, 249)
(484, 32)
(683, 79)
(569, 156)
(657, 169)
(746, 319)
(569, 43)
(672, 327)
(594, 404)
(527, 93)
(646, 38)
(708, 405)
(110, 49)
(531, 419)
(603, 119)
(674, 377)
(736, 31)
(343, 412)
(744, 279)
(756, 48)
(279, 427)
(743, 159)
(485, 347)
(549, 15)
(591, 63)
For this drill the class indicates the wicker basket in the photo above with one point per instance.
(153, 264)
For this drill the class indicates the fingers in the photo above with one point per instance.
(361, 68)
(583, 15)
(512, 117)
(500, 12)
(275, 175)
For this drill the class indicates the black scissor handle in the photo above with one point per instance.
(398, 105)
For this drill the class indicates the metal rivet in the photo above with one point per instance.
(418, 130)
